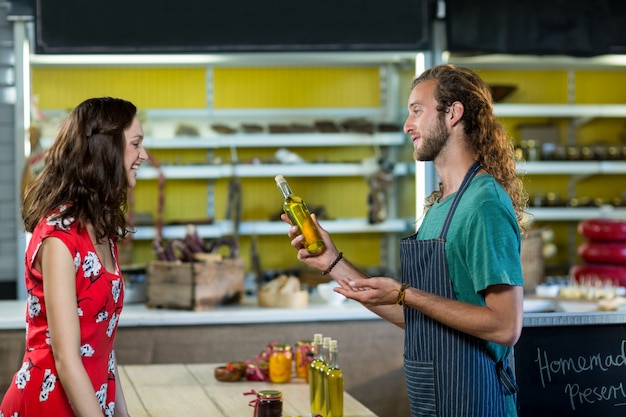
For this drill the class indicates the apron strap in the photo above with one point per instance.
(505, 374)
(457, 198)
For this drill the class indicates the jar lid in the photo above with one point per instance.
(270, 394)
(281, 347)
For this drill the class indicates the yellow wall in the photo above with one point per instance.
(65, 87)
(235, 88)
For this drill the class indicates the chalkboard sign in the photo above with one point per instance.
(572, 371)
(189, 26)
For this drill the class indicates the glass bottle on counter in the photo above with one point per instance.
(314, 372)
(334, 384)
(321, 375)
(300, 216)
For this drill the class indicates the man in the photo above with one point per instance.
(462, 285)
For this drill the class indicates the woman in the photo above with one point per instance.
(75, 210)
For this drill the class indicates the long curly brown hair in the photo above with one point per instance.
(485, 136)
(85, 170)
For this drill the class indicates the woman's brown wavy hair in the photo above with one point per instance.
(85, 170)
(485, 136)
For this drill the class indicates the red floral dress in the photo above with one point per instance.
(36, 390)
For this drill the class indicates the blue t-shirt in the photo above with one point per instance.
(482, 245)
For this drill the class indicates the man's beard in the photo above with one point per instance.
(433, 141)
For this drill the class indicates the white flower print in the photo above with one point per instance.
(109, 411)
(102, 316)
(77, 261)
(101, 395)
(23, 376)
(48, 342)
(86, 350)
(58, 222)
(80, 312)
(116, 289)
(34, 307)
(112, 324)
(47, 386)
(111, 369)
(91, 265)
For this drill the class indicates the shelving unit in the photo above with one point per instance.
(577, 170)
(565, 93)
(265, 170)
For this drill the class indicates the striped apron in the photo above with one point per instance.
(448, 373)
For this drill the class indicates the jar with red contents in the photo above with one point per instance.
(269, 404)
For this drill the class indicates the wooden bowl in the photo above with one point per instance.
(501, 91)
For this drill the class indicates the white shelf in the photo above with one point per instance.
(585, 111)
(572, 167)
(576, 213)
(247, 228)
(267, 170)
(278, 140)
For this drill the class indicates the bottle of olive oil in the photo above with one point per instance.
(300, 216)
(321, 374)
(314, 383)
(334, 384)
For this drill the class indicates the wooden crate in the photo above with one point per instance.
(194, 285)
(533, 268)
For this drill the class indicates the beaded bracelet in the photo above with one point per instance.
(402, 294)
(335, 262)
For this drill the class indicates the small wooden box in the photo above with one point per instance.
(194, 285)
(533, 268)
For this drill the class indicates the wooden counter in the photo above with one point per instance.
(191, 390)
(371, 349)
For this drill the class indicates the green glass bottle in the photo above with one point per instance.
(300, 216)
(321, 374)
(314, 372)
(334, 384)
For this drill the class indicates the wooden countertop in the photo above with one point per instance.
(12, 314)
(191, 390)
(537, 313)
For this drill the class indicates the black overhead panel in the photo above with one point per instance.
(543, 27)
(153, 26)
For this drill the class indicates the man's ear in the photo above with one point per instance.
(455, 112)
